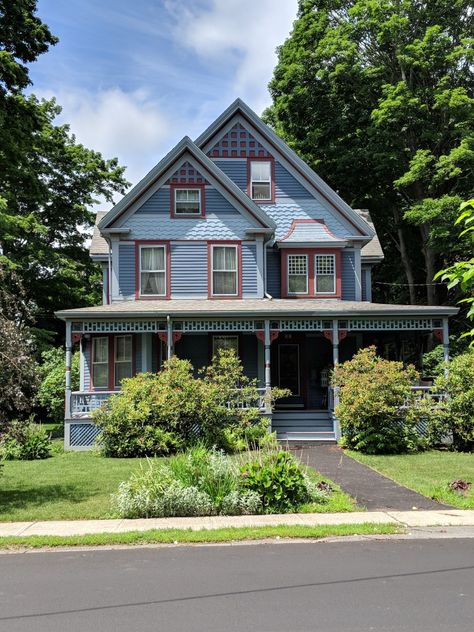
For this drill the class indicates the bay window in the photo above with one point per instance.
(100, 362)
(224, 271)
(152, 271)
(325, 274)
(122, 359)
(261, 180)
(297, 274)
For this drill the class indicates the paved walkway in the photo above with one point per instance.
(441, 518)
(370, 489)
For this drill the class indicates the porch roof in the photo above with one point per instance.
(252, 308)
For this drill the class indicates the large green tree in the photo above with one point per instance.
(378, 96)
(48, 182)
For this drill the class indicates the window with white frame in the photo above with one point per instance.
(224, 342)
(224, 271)
(123, 358)
(297, 266)
(261, 180)
(100, 362)
(152, 270)
(325, 274)
(187, 202)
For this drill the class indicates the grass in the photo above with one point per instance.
(428, 473)
(78, 485)
(173, 536)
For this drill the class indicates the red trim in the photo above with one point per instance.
(271, 160)
(438, 333)
(260, 335)
(163, 336)
(311, 252)
(177, 335)
(342, 334)
(209, 269)
(327, 333)
(152, 242)
(76, 337)
(274, 333)
(191, 185)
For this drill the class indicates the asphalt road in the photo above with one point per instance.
(423, 586)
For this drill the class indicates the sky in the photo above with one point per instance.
(135, 76)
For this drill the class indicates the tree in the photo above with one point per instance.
(51, 391)
(377, 95)
(48, 182)
(461, 274)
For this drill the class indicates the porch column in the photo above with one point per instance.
(446, 345)
(67, 412)
(169, 340)
(335, 361)
(267, 347)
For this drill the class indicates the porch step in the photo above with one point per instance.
(302, 421)
(306, 437)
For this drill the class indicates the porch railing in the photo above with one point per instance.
(83, 403)
(420, 393)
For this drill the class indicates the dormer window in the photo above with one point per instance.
(325, 274)
(297, 274)
(261, 180)
(187, 202)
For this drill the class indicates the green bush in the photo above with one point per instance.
(209, 482)
(158, 414)
(455, 419)
(433, 361)
(377, 410)
(25, 442)
(51, 391)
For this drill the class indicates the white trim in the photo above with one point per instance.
(165, 269)
(235, 247)
(181, 214)
(316, 293)
(288, 275)
(290, 344)
(116, 362)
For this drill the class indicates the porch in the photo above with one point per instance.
(289, 352)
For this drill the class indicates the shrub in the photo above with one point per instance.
(433, 361)
(376, 409)
(456, 417)
(279, 481)
(26, 442)
(157, 414)
(52, 375)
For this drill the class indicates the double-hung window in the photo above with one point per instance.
(187, 202)
(325, 274)
(152, 271)
(261, 180)
(297, 274)
(224, 271)
(123, 358)
(100, 362)
(225, 342)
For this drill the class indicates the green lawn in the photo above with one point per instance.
(77, 485)
(428, 473)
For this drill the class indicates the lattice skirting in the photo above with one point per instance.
(82, 435)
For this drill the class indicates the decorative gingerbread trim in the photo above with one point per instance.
(274, 335)
(342, 334)
(163, 336)
(260, 335)
(177, 336)
(76, 338)
(327, 333)
(438, 333)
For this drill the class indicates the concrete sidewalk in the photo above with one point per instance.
(439, 518)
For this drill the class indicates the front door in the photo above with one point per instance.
(289, 361)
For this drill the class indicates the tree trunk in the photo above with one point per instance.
(430, 266)
(405, 258)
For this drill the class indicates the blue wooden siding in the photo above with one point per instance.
(249, 271)
(274, 273)
(217, 204)
(126, 273)
(158, 203)
(235, 169)
(348, 275)
(189, 270)
(287, 186)
(138, 352)
(249, 354)
(195, 348)
(364, 284)
(155, 353)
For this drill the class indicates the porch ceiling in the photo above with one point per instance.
(254, 308)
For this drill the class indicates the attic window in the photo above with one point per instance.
(261, 180)
(187, 201)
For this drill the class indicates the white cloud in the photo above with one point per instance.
(126, 125)
(244, 33)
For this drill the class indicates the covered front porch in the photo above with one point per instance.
(297, 353)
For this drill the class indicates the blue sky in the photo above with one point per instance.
(134, 76)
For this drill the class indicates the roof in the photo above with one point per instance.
(310, 231)
(253, 308)
(239, 107)
(98, 244)
(373, 249)
(186, 145)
